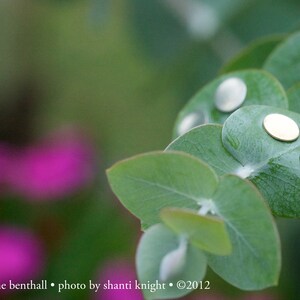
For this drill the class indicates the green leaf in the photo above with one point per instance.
(155, 244)
(147, 183)
(205, 232)
(246, 139)
(205, 143)
(262, 88)
(248, 151)
(294, 98)
(279, 182)
(252, 56)
(255, 260)
(284, 61)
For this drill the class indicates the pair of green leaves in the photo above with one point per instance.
(244, 148)
(273, 166)
(240, 242)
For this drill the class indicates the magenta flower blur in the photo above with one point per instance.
(118, 272)
(21, 255)
(52, 169)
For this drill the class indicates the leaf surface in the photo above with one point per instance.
(154, 245)
(262, 89)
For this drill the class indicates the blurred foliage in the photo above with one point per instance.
(121, 70)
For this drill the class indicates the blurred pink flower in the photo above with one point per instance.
(118, 272)
(51, 169)
(21, 255)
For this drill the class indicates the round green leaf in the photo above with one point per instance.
(147, 183)
(205, 143)
(279, 182)
(294, 98)
(255, 260)
(273, 166)
(246, 139)
(252, 56)
(205, 232)
(262, 88)
(284, 61)
(157, 242)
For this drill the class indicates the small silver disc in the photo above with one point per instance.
(281, 127)
(230, 94)
(191, 120)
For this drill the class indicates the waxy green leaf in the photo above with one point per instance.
(284, 61)
(147, 183)
(255, 260)
(262, 89)
(205, 143)
(245, 138)
(155, 244)
(274, 165)
(294, 98)
(208, 233)
(279, 182)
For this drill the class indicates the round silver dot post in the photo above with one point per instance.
(281, 127)
(230, 94)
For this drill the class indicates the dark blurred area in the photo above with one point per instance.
(84, 84)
